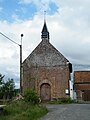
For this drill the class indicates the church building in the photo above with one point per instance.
(46, 70)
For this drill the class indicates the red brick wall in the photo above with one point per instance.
(81, 76)
(58, 77)
(82, 86)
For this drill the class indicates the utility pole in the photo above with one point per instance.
(21, 67)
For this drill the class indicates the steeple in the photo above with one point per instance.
(45, 33)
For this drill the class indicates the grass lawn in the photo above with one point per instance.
(23, 111)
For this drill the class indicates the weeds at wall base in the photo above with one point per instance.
(62, 101)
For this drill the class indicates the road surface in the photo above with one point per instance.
(68, 112)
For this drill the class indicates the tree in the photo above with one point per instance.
(1, 86)
(1, 79)
(7, 89)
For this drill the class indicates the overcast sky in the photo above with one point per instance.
(68, 23)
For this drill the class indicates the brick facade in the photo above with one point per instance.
(82, 85)
(57, 77)
(82, 76)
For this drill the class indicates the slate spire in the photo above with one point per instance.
(45, 33)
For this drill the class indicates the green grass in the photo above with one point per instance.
(23, 111)
(62, 101)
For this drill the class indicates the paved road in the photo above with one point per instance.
(68, 112)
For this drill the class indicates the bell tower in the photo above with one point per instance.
(45, 33)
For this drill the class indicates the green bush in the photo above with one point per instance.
(31, 96)
(62, 101)
(66, 100)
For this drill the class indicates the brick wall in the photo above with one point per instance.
(58, 78)
(82, 84)
(82, 76)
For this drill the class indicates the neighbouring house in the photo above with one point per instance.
(82, 85)
(46, 70)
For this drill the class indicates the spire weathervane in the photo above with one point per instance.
(45, 33)
(44, 11)
(44, 15)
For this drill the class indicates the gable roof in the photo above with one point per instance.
(45, 54)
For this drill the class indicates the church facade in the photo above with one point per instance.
(46, 70)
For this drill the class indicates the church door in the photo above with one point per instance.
(45, 92)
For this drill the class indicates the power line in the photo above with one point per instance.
(21, 68)
(9, 38)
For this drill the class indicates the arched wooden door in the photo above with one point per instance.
(45, 92)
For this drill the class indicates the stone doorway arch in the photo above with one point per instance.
(45, 92)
